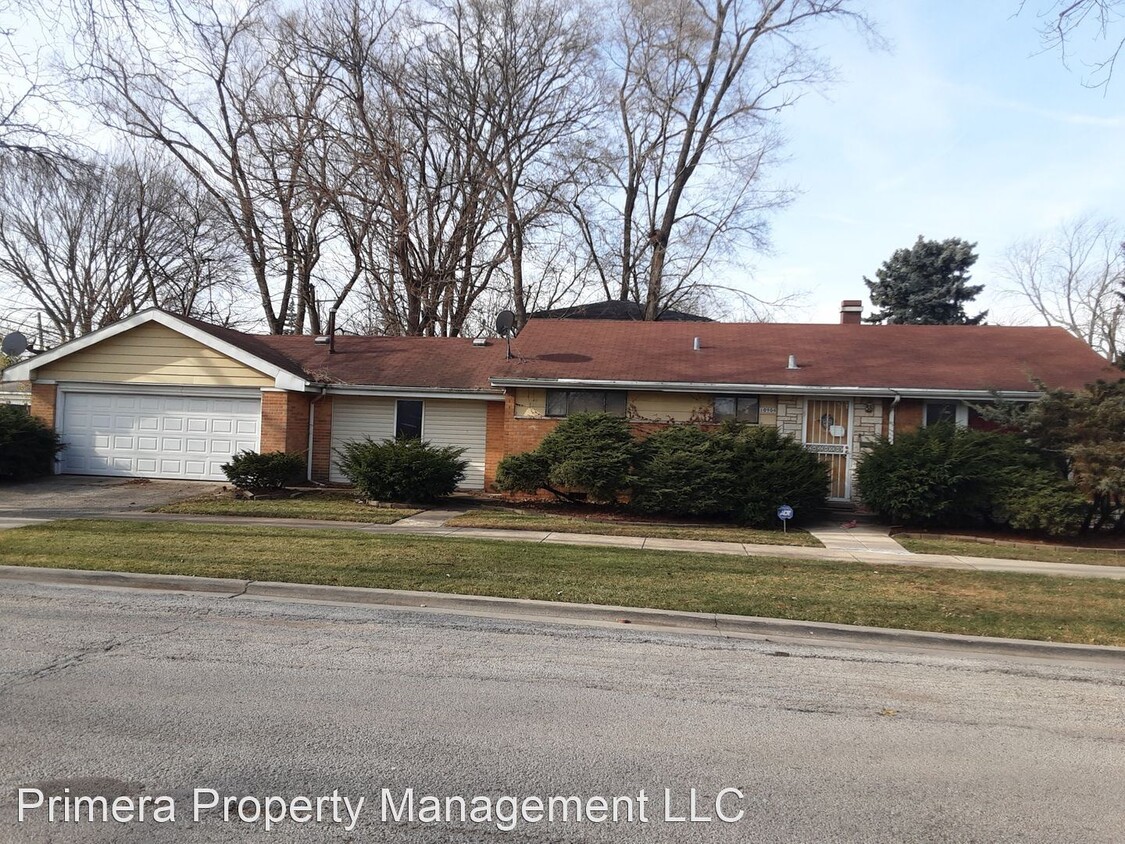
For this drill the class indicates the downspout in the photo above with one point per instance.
(312, 427)
(891, 419)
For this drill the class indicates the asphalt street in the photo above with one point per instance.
(117, 693)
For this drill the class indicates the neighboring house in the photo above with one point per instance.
(615, 309)
(162, 396)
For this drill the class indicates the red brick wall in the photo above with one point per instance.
(494, 439)
(908, 415)
(322, 439)
(43, 402)
(285, 421)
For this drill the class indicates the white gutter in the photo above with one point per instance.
(784, 389)
(414, 392)
(891, 418)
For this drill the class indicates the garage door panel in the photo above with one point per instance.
(155, 435)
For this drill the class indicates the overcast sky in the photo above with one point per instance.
(963, 129)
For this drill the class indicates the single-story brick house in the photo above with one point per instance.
(157, 395)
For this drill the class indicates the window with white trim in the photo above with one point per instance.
(946, 411)
(408, 419)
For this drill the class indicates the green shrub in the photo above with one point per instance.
(770, 469)
(740, 472)
(401, 470)
(1042, 502)
(525, 472)
(271, 470)
(685, 472)
(27, 446)
(947, 476)
(591, 453)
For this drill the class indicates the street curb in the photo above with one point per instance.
(129, 580)
(816, 632)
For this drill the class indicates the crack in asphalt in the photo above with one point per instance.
(76, 659)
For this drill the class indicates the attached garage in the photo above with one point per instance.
(128, 433)
(461, 423)
(163, 396)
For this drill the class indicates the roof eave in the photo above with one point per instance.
(412, 392)
(783, 389)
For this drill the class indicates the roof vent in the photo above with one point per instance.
(793, 362)
(322, 340)
(480, 341)
(697, 344)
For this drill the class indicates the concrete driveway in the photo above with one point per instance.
(73, 496)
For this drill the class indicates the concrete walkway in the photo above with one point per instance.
(860, 538)
(876, 556)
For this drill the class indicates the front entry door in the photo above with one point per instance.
(827, 434)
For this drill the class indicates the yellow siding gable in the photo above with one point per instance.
(153, 354)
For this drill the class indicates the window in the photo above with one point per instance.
(568, 402)
(408, 419)
(740, 408)
(946, 411)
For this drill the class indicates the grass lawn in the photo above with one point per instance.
(329, 506)
(984, 603)
(515, 520)
(968, 548)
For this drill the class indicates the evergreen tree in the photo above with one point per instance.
(926, 284)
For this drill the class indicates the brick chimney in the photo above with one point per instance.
(851, 312)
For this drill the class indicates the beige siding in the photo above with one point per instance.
(455, 422)
(354, 418)
(767, 411)
(154, 354)
(461, 424)
(649, 406)
(669, 407)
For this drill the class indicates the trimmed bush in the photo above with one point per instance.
(591, 453)
(1042, 502)
(272, 470)
(686, 472)
(525, 472)
(27, 446)
(945, 476)
(771, 468)
(401, 470)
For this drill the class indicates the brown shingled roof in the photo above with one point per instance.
(439, 363)
(941, 357)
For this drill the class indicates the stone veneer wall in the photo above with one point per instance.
(791, 416)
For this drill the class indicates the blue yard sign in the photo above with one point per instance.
(785, 513)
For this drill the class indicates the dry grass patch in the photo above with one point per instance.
(511, 519)
(1040, 553)
(326, 506)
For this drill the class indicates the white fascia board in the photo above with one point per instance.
(283, 378)
(412, 392)
(782, 389)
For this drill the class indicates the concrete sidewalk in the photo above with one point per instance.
(876, 556)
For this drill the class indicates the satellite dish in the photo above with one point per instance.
(505, 321)
(14, 344)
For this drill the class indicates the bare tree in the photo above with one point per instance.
(97, 243)
(1065, 22)
(1072, 278)
(454, 123)
(26, 94)
(698, 84)
(226, 92)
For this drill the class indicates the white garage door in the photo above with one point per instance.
(457, 422)
(155, 436)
